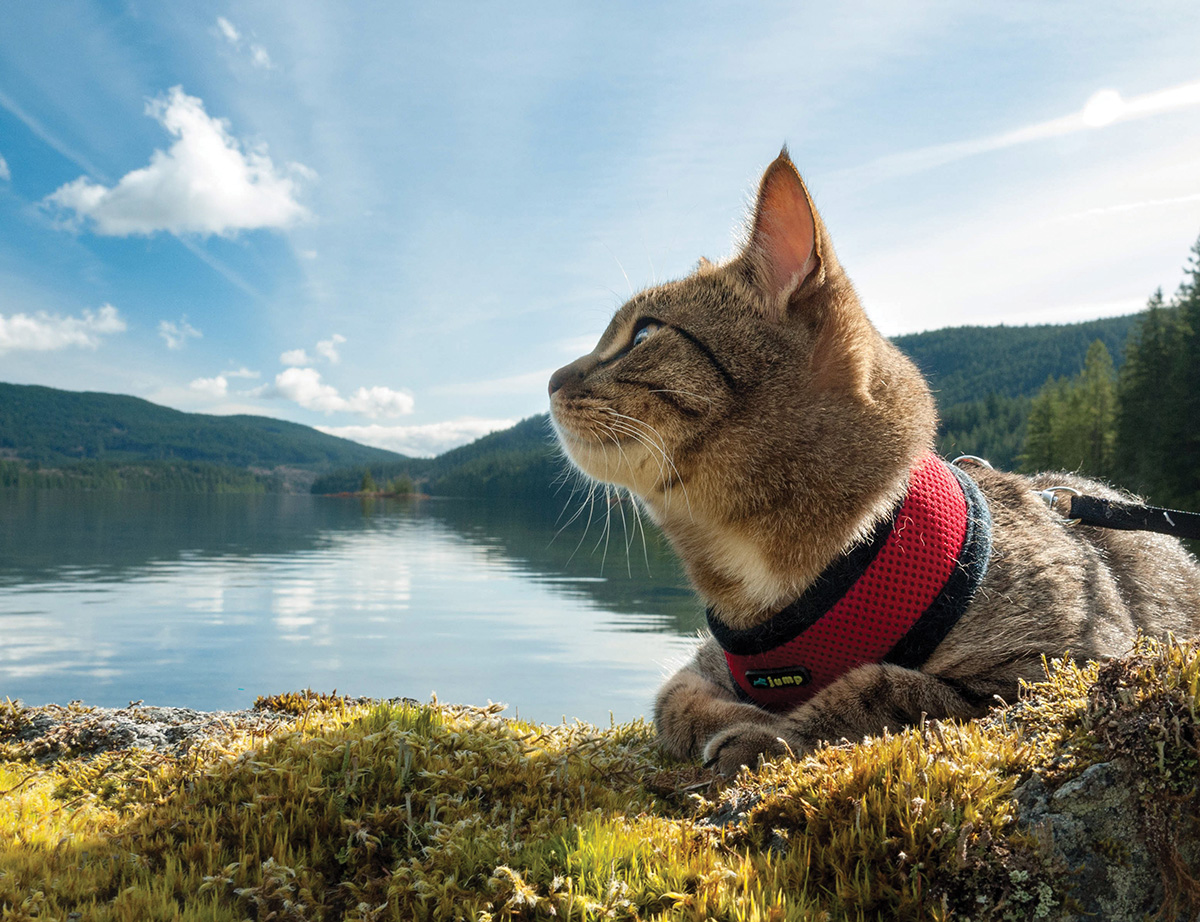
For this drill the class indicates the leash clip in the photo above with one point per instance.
(972, 459)
(1050, 496)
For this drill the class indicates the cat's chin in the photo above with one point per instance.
(620, 462)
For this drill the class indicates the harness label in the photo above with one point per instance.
(786, 677)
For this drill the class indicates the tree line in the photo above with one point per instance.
(145, 477)
(1139, 426)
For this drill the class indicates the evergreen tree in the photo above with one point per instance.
(368, 484)
(1040, 452)
(1144, 428)
(1072, 421)
(1183, 396)
(1097, 410)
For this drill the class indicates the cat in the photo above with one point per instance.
(785, 448)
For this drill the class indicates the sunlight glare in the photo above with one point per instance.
(1103, 108)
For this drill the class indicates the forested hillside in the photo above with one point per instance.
(50, 426)
(55, 439)
(965, 364)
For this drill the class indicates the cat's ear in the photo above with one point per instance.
(783, 248)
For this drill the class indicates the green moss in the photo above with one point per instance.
(349, 810)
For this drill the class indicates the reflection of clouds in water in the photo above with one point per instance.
(205, 592)
(292, 606)
(36, 646)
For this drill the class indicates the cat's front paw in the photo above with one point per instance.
(742, 744)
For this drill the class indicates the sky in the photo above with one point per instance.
(394, 220)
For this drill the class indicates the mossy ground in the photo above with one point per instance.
(397, 811)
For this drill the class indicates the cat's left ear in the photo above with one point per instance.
(783, 246)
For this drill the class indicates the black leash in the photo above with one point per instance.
(1112, 513)
(1109, 513)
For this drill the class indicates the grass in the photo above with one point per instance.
(398, 811)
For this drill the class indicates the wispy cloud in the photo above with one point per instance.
(420, 441)
(229, 30)
(176, 335)
(1103, 108)
(5, 172)
(45, 136)
(258, 54)
(1133, 206)
(44, 332)
(204, 184)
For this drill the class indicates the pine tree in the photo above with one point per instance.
(1143, 429)
(1071, 421)
(1040, 453)
(1097, 404)
(1183, 409)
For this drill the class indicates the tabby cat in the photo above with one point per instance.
(779, 441)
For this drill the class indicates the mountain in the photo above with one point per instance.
(983, 379)
(966, 364)
(49, 427)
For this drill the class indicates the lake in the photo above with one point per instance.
(210, 601)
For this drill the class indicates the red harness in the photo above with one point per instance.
(890, 600)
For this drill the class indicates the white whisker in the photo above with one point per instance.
(675, 390)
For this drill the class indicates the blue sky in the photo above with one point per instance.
(394, 220)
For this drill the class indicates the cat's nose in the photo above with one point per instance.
(573, 372)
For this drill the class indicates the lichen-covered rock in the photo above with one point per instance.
(1091, 823)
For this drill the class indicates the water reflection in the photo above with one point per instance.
(209, 601)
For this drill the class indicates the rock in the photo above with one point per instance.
(1093, 826)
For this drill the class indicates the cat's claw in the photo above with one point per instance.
(742, 744)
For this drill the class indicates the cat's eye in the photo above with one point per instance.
(645, 331)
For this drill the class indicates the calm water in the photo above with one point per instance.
(210, 601)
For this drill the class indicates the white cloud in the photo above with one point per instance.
(328, 347)
(5, 172)
(204, 184)
(242, 372)
(295, 357)
(176, 335)
(229, 30)
(212, 387)
(46, 332)
(380, 401)
(304, 386)
(420, 441)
